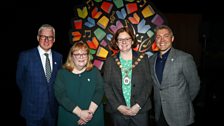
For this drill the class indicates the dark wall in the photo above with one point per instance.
(189, 20)
(186, 29)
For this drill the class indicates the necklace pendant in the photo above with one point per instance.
(126, 80)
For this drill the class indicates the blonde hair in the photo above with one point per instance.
(69, 64)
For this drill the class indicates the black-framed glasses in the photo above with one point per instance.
(44, 37)
(78, 55)
(120, 40)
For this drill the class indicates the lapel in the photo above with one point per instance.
(119, 76)
(167, 68)
(55, 64)
(154, 70)
(135, 56)
(39, 63)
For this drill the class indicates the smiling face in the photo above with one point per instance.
(124, 42)
(80, 59)
(46, 38)
(164, 40)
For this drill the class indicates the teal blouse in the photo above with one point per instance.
(126, 88)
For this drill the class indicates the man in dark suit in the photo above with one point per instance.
(35, 79)
(176, 81)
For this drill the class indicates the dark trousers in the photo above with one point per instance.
(162, 120)
(47, 120)
(141, 119)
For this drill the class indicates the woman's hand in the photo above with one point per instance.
(86, 115)
(123, 110)
(134, 110)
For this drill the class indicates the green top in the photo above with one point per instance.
(73, 90)
(126, 72)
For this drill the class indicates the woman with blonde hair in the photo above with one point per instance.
(79, 90)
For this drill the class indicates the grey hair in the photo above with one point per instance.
(46, 26)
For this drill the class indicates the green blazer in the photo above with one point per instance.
(73, 90)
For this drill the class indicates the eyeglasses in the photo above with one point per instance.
(43, 37)
(84, 55)
(120, 40)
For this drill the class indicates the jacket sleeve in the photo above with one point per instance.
(191, 75)
(99, 92)
(21, 70)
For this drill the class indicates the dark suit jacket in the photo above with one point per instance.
(141, 84)
(180, 85)
(37, 93)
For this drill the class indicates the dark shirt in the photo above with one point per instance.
(160, 63)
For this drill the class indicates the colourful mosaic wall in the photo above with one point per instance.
(95, 23)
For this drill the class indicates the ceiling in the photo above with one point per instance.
(166, 6)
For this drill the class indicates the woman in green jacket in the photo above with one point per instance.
(79, 90)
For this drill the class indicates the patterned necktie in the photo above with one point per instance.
(47, 67)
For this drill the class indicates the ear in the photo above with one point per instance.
(38, 38)
(172, 38)
(132, 42)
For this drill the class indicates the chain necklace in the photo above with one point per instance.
(126, 70)
(127, 79)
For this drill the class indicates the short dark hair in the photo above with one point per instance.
(164, 27)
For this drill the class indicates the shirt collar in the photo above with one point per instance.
(41, 51)
(165, 55)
